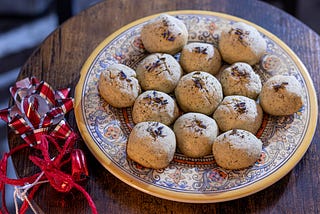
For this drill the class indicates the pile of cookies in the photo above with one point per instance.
(181, 103)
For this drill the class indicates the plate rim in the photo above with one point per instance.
(190, 197)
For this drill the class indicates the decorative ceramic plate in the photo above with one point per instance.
(105, 129)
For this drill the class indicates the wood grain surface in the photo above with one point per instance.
(59, 59)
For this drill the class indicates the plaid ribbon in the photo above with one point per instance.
(37, 108)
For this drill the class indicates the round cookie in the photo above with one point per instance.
(155, 106)
(240, 79)
(198, 92)
(118, 85)
(241, 43)
(198, 56)
(151, 144)
(164, 34)
(281, 95)
(195, 133)
(159, 72)
(238, 112)
(236, 149)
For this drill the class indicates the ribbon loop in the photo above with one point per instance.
(79, 165)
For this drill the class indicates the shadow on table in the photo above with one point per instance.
(111, 189)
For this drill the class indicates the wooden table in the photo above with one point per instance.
(59, 59)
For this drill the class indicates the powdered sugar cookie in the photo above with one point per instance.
(159, 72)
(281, 95)
(241, 43)
(236, 149)
(118, 85)
(240, 79)
(198, 56)
(198, 92)
(151, 144)
(164, 34)
(155, 106)
(195, 133)
(238, 112)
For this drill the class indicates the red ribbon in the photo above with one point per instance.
(37, 108)
(38, 117)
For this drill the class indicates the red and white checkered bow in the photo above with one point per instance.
(37, 109)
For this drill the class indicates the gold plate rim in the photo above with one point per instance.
(187, 197)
